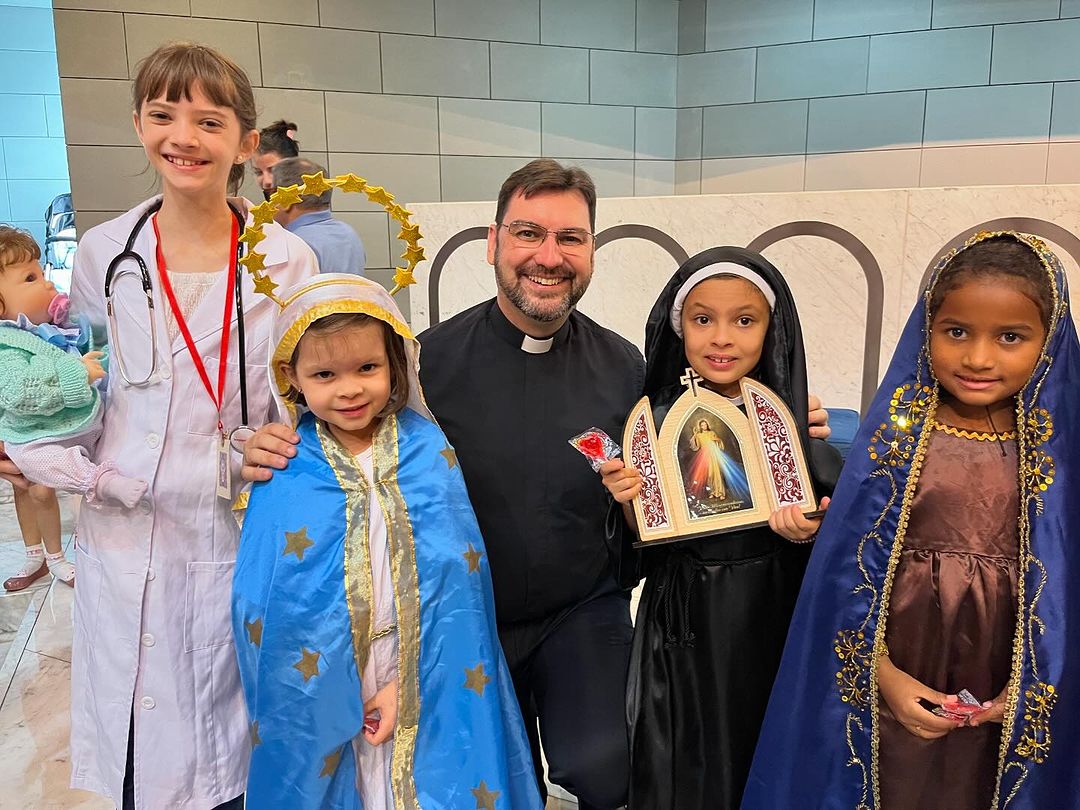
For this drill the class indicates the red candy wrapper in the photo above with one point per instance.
(963, 708)
(596, 446)
(371, 722)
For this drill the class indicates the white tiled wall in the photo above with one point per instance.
(433, 99)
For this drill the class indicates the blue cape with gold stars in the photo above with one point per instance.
(819, 745)
(302, 600)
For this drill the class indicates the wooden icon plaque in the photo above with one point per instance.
(712, 468)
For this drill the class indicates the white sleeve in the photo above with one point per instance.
(63, 463)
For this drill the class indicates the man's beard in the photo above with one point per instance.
(510, 284)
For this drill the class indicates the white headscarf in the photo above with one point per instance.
(720, 269)
(330, 294)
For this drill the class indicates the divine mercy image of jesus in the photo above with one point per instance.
(711, 461)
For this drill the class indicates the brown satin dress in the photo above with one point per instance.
(952, 617)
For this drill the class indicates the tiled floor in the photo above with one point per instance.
(35, 664)
(35, 691)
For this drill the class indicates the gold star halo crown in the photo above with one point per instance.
(315, 184)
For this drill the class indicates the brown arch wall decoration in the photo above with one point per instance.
(1036, 227)
(875, 287)
(875, 283)
(605, 237)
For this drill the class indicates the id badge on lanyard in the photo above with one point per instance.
(224, 465)
(224, 459)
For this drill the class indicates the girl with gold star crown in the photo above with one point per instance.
(362, 601)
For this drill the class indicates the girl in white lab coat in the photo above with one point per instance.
(158, 716)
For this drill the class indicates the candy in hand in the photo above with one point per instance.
(371, 722)
(964, 707)
(596, 446)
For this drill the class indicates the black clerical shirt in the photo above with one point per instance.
(509, 404)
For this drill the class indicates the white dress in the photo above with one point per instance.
(373, 762)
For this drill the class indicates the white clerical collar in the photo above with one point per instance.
(534, 346)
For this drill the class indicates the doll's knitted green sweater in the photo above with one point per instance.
(44, 391)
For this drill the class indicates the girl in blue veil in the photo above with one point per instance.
(944, 564)
(362, 605)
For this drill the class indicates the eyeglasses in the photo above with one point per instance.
(529, 234)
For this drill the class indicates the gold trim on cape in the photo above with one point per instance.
(359, 584)
(407, 601)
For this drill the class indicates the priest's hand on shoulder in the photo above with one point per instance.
(385, 703)
(271, 446)
(790, 523)
(624, 483)
(903, 694)
(818, 419)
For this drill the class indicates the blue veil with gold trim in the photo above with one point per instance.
(818, 747)
(302, 606)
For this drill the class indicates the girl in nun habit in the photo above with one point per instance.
(714, 612)
(948, 562)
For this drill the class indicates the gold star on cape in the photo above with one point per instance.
(262, 214)
(476, 680)
(254, 632)
(351, 183)
(403, 277)
(252, 237)
(254, 261)
(485, 799)
(265, 286)
(413, 254)
(379, 195)
(308, 665)
(285, 196)
(472, 556)
(296, 543)
(254, 732)
(314, 184)
(450, 456)
(330, 764)
(409, 233)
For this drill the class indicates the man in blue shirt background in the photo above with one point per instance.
(336, 245)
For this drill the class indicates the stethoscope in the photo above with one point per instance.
(238, 434)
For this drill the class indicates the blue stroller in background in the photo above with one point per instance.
(60, 241)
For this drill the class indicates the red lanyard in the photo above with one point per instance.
(200, 367)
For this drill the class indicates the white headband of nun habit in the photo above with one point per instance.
(719, 269)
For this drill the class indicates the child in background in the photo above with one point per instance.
(714, 612)
(47, 376)
(383, 686)
(946, 564)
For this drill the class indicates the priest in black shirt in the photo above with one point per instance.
(510, 381)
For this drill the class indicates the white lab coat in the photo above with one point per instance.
(152, 632)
